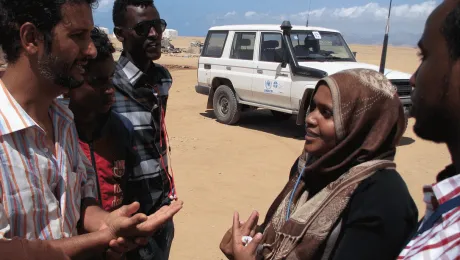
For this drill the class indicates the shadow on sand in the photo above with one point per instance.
(262, 120)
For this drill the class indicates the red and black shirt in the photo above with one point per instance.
(110, 152)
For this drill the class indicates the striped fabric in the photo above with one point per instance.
(139, 97)
(41, 192)
(139, 103)
(443, 240)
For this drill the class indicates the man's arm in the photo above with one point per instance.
(22, 249)
(78, 247)
(119, 224)
(93, 217)
(116, 225)
(84, 246)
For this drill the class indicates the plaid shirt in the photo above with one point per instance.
(442, 241)
(138, 98)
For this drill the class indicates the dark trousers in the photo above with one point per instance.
(159, 245)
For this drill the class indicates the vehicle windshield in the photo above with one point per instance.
(320, 45)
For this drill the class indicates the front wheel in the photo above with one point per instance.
(226, 107)
(406, 117)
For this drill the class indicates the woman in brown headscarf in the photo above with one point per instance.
(344, 198)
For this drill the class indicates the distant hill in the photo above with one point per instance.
(395, 39)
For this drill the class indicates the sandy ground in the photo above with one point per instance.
(220, 168)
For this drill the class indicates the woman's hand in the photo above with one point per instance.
(226, 245)
(239, 249)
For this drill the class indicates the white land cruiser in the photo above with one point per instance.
(244, 67)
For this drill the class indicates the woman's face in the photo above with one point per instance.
(320, 131)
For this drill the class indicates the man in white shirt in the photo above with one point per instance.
(46, 184)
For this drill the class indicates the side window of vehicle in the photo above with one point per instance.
(271, 47)
(243, 46)
(214, 45)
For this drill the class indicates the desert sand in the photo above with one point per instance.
(220, 169)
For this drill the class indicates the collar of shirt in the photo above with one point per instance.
(440, 192)
(157, 78)
(132, 72)
(447, 189)
(440, 241)
(14, 118)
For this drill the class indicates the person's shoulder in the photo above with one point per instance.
(383, 179)
(164, 71)
(119, 76)
(61, 106)
(160, 67)
(384, 200)
(386, 190)
(122, 122)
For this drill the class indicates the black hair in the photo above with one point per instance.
(119, 9)
(103, 44)
(451, 31)
(44, 14)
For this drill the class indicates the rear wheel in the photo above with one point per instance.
(280, 115)
(406, 122)
(406, 117)
(226, 107)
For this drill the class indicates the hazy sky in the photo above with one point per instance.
(359, 20)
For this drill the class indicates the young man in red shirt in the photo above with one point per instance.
(104, 136)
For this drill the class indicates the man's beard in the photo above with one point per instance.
(58, 72)
(437, 123)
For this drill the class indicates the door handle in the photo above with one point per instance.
(207, 66)
(228, 68)
(260, 71)
(282, 75)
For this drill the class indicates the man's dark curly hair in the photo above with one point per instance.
(44, 14)
(103, 44)
(119, 9)
(451, 31)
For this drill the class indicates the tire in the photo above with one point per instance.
(226, 107)
(406, 122)
(280, 115)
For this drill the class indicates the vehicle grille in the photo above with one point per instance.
(403, 87)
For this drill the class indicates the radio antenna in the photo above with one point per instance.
(308, 15)
(385, 42)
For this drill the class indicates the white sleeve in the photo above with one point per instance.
(4, 221)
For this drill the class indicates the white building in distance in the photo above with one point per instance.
(170, 34)
(106, 30)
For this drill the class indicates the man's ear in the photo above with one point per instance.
(119, 34)
(30, 38)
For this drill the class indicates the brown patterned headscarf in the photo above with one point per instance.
(369, 122)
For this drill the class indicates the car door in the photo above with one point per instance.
(271, 84)
(240, 65)
(210, 56)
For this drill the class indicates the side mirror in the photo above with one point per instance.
(355, 53)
